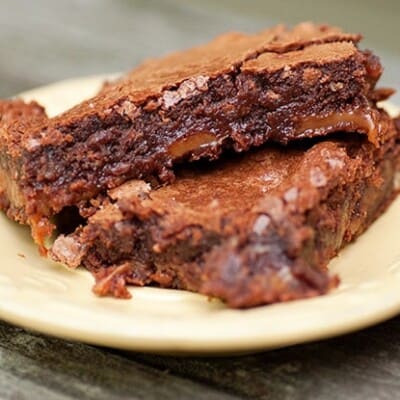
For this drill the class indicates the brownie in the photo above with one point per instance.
(16, 119)
(236, 92)
(397, 123)
(248, 229)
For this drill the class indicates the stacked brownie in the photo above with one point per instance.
(144, 183)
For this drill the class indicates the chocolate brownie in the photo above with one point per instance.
(17, 119)
(249, 229)
(237, 91)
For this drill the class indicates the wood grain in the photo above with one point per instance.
(365, 365)
(72, 370)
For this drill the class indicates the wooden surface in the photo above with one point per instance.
(47, 40)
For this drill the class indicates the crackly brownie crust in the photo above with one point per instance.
(250, 230)
(237, 91)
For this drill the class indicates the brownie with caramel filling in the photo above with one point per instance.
(249, 229)
(236, 92)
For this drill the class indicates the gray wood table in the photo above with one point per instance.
(47, 40)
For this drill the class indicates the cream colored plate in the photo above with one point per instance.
(41, 295)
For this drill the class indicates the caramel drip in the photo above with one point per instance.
(193, 142)
(353, 120)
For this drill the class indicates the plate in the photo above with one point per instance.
(44, 296)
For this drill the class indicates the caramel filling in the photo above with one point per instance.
(193, 142)
(345, 120)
